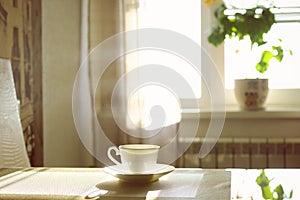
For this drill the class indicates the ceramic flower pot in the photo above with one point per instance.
(251, 94)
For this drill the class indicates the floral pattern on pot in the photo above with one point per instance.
(251, 94)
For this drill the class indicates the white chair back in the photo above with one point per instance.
(12, 145)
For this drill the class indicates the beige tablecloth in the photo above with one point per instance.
(93, 183)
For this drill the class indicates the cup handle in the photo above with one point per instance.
(111, 157)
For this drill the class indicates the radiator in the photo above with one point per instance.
(244, 153)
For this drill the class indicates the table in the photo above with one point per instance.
(182, 183)
(94, 183)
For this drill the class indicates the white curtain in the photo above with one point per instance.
(122, 114)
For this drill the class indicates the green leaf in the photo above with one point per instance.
(291, 194)
(266, 192)
(263, 64)
(263, 182)
(216, 37)
(280, 192)
(279, 55)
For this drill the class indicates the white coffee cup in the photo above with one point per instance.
(136, 158)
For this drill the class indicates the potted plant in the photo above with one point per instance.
(267, 193)
(254, 22)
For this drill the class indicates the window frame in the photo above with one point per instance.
(276, 98)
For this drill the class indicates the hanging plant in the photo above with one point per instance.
(253, 23)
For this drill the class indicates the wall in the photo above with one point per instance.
(61, 60)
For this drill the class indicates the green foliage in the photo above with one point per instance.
(240, 25)
(254, 23)
(277, 194)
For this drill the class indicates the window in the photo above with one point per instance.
(240, 61)
(193, 20)
(233, 58)
(180, 16)
(183, 17)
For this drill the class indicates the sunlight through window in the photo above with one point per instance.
(183, 17)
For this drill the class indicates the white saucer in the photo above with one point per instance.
(119, 172)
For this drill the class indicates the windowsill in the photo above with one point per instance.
(234, 112)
